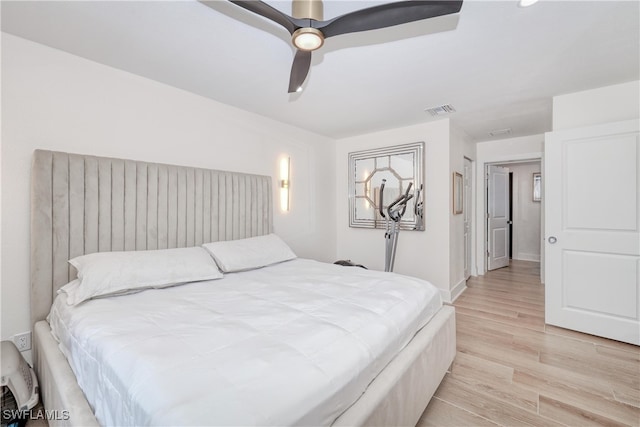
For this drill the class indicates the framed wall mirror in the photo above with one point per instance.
(537, 187)
(458, 200)
(400, 166)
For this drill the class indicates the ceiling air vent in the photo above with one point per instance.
(441, 110)
(500, 132)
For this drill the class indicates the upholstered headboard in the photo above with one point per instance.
(83, 204)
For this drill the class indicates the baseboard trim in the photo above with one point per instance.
(446, 296)
(458, 289)
(527, 257)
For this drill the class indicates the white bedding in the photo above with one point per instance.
(293, 343)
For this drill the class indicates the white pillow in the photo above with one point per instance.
(111, 273)
(247, 254)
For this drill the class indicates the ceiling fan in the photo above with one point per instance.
(308, 29)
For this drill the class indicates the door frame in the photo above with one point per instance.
(469, 206)
(481, 203)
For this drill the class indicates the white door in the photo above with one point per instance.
(498, 217)
(466, 209)
(592, 210)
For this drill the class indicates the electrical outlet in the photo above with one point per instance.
(23, 341)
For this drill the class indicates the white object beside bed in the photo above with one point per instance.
(294, 343)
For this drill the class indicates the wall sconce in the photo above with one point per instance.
(285, 170)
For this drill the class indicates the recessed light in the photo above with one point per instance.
(299, 89)
(527, 3)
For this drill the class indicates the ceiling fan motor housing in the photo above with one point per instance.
(308, 9)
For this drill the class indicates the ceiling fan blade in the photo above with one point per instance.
(299, 70)
(263, 9)
(387, 15)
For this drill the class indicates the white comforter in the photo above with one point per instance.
(294, 343)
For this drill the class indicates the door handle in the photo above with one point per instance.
(552, 239)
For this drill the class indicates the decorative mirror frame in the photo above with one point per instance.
(414, 222)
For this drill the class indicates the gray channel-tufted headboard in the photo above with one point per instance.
(83, 204)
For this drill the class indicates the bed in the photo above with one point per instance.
(86, 204)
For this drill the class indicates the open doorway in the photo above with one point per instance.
(513, 213)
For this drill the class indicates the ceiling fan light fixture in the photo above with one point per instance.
(308, 39)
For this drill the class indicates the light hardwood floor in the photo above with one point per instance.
(512, 370)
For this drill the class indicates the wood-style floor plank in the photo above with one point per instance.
(441, 413)
(488, 406)
(511, 369)
(573, 416)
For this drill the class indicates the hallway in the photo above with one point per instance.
(511, 369)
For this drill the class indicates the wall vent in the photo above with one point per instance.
(500, 132)
(441, 110)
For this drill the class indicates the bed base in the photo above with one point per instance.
(400, 393)
(59, 389)
(397, 396)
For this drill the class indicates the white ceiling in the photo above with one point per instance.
(496, 63)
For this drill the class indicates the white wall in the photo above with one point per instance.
(423, 254)
(597, 106)
(54, 100)
(504, 150)
(526, 213)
